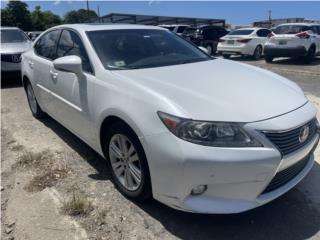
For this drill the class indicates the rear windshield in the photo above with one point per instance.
(290, 29)
(241, 32)
(13, 36)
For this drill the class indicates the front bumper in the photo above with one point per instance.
(274, 51)
(235, 177)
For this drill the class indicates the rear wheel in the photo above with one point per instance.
(209, 49)
(268, 58)
(227, 56)
(310, 55)
(33, 103)
(257, 54)
(128, 163)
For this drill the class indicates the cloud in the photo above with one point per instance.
(57, 2)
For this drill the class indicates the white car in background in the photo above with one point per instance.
(293, 40)
(178, 29)
(14, 42)
(199, 134)
(244, 41)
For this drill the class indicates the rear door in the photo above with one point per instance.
(72, 93)
(41, 64)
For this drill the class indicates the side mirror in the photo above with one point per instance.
(203, 49)
(69, 64)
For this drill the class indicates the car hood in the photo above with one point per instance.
(220, 90)
(9, 48)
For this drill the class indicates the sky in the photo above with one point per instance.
(235, 12)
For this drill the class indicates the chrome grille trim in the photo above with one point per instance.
(288, 141)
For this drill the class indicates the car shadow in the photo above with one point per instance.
(291, 216)
(10, 80)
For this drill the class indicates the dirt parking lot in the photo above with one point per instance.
(55, 187)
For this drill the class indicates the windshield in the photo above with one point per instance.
(143, 48)
(12, 36)
(168, 27)
(291, 29)
(241, 32)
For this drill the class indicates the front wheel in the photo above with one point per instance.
(209, 49)
(33, 103)
(268, 58)
(129, 167)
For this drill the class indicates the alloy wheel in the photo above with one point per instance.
(125, 162)
(31, 99)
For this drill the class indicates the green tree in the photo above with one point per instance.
(79, 16)
(16, 14)
(44, 20)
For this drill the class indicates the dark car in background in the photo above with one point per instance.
(206, 36)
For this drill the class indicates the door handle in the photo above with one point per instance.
(30, 64)
(53, 74)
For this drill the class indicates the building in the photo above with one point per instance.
(156, 20)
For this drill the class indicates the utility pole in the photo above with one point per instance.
(88, 5)
(98, 10)
(270, 15)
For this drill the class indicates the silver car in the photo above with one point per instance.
(14, 42)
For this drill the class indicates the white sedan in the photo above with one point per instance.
(197, 133)
(244, 41)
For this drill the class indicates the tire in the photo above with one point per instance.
(209, 49)
(268, 58)
(257, 54)
(118, 138)
(310, 55)
(33, 103)
(226, 56)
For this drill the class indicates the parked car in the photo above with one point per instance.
(244, 41)
(206, 36)
(33, 35)
(197, 133)
(293, 40)
(178, 29)
(13, 43)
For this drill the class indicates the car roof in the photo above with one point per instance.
(83, 27)
(9, 28)
(248, 28)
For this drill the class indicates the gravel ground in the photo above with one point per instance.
(43, 166)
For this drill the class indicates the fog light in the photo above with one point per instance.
(198, 189)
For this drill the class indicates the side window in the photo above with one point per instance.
(315, 29)
(181, 29)
(46, 46)
(263, 32)
(71, 44)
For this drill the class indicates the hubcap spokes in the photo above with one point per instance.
(125, 162)
(32, 99)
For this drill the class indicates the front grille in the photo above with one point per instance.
(284, 176)
(288, 141)
(14, 58)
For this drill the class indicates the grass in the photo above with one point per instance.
(78, 205)
(48, 179)
(28, 159)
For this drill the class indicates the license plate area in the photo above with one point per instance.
(230, 42)
(283, 42)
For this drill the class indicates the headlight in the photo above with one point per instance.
(216, 134)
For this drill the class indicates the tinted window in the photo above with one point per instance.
(71, 44)
(241, 32)
(315, 29)
(46, 46)
(143, 48)
(263, 32)
(290, 29)
(13, 36)
(181, 29)
(189, 31)
(169, 28)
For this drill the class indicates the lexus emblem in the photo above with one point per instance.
(304, 133)
(15, 58)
